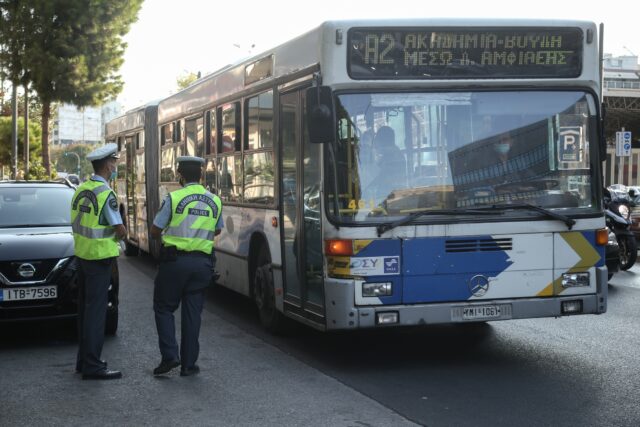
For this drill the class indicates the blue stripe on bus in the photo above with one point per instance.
(433, 274)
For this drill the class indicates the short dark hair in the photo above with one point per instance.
(191, 171)
(98, 165)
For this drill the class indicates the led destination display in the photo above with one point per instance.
(420, 53)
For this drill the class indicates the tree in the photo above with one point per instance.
(76, 52)
(184, 80)
(35, 139)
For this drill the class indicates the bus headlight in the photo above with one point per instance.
(381, 289)
(571, 280)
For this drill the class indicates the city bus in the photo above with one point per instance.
(379, 173)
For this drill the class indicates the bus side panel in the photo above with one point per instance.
(233, 244)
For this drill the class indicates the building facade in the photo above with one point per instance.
(73, 125)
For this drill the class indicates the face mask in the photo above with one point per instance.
(113, 176)
(503, 148)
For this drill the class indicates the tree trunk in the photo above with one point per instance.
(46, 113)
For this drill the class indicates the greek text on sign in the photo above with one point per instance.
(484, 52)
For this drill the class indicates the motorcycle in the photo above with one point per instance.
(618, 219)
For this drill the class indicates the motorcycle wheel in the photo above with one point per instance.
(628, 252)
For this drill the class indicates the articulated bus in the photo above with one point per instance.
(393, 173)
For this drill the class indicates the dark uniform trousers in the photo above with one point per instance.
(181, 281)
(93, 282)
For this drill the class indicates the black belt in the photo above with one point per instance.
(194, 253)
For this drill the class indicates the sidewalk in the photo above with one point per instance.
(244, 381)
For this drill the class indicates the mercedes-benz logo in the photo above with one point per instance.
(478, 285)
(26, 270)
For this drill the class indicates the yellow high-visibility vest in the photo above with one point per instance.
(92, 240)
(194, 215)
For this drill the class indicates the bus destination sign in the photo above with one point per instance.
(485, 53)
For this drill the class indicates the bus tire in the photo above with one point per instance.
(264, 294)
(129, 249)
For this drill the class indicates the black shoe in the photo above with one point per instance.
(103, 375)
(190, 371)
(166, 366)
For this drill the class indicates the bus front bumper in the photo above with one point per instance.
(342, 312)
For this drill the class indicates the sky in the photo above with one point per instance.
(171, 39)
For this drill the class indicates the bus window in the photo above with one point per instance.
(260, 121)
(167, 134)
(210, 176)
(259, 178)
(213, 132)
(229, 178)
(190, 137)
(167, 167)
(200, 137)
(177, 131)
(230, 128)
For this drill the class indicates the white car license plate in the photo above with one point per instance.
(481, 312)
(33, 293)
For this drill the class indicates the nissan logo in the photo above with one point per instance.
(26, 270)
(478, 285)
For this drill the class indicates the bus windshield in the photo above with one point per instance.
(400, 153)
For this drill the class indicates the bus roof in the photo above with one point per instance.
(307, 51)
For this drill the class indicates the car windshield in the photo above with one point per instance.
(45, 206)
(400, 153)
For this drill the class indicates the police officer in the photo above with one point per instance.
(188, 220)
(97, 228)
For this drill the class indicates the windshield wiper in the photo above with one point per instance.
(382, 228)
(570, 222)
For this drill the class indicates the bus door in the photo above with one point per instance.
(300, 202)
(130, 143)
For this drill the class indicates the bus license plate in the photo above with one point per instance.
(481, 312)
(34, 293)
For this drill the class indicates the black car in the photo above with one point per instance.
(38, 269)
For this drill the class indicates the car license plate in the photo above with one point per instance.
(481, 312)
(33, 293)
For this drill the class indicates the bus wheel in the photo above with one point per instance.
(264, 295)
(129, 249)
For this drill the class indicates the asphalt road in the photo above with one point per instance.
(571, 371)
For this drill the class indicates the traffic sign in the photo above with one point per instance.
(623, 144)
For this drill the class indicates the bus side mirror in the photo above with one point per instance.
(320, 115)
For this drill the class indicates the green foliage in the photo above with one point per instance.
(69, 50)
(36, 170)
(35, 140)
(184, 80)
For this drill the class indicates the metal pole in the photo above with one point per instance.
(14, 131)
(26, 131)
